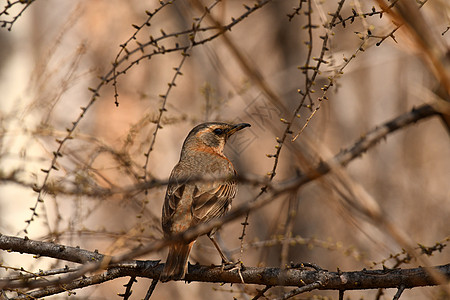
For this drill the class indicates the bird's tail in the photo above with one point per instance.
(176, 264)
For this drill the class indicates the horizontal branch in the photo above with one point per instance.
(296, 277)
(67, 253)
(75, 284)
(365, 279)
(291, 276)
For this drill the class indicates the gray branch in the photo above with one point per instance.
(67, 253)
(297, 277)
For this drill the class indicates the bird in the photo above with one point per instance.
(201, 187)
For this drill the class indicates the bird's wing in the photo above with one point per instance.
(189, 202)
(212, 200)
(173, 197)
(174, 194)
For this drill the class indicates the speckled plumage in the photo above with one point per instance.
(201, 187)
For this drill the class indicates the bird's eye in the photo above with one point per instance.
(218, 131)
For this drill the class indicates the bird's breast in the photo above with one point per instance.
(208, 164)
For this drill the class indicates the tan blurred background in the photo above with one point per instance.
(57, 49)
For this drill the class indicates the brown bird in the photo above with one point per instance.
(201, 187)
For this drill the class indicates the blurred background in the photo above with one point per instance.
(58, 54)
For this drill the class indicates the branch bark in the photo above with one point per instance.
(292, 276)
(67, 253)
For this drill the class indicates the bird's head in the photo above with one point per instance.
(211, 136)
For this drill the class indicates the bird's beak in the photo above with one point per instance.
(237, 127)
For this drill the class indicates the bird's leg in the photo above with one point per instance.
(226, 264)
(224, 258)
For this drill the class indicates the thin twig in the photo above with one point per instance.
(123, 47)
(400, 290)
(151, 289)
(128, 290)
(261, 292)
(299, 290)
(4, 23)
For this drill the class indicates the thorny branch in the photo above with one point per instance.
(6, 11)
(309, 81)
(308, 278)
(123, 47)
(164, 97)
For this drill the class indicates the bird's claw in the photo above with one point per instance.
(229, 265)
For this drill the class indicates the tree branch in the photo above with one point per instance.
(67, 253)
(300, 277)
